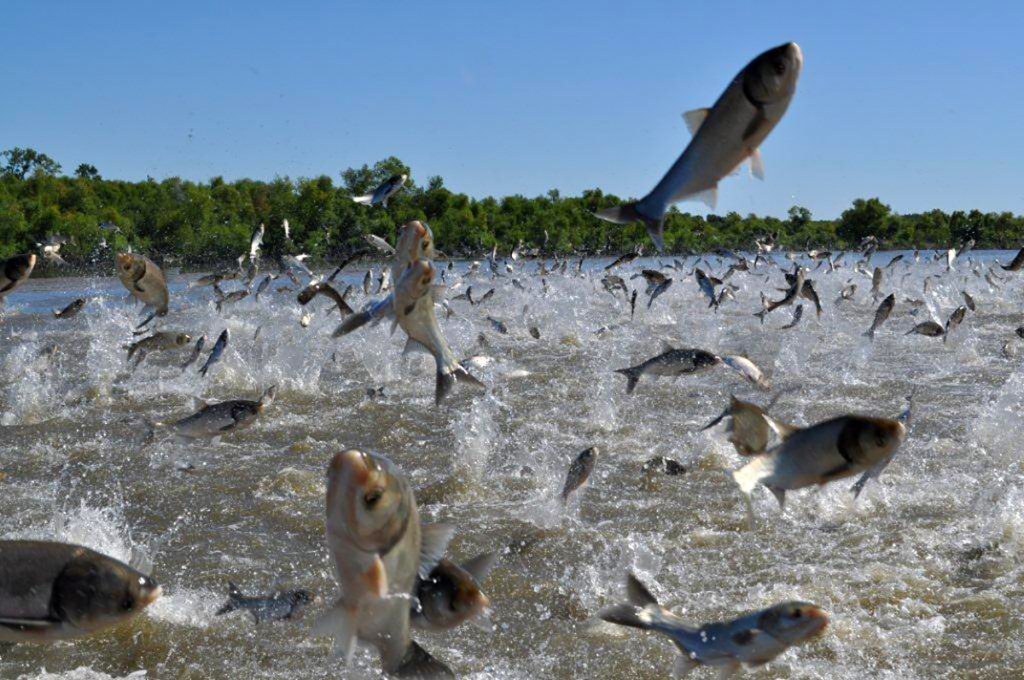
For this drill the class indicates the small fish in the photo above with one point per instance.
(816, 455)
(287, 605)
(216, 352)
(929, 328)
(327, 290)
(876, 283)
(156, 342)
(229, 298)
(71, 310)
(534, 332)
(664, 465)
(212, 421)
(623, 259)
(808, 293)
(367, 282)
(751, 640)
(255, 242)
(57, 591)
(881, 314)
(796, 287)
(705, 285)
(612, 283)
(263, 285)
(632, 305)
(659, 289)
(451, 595)
(954, 320)
(579, 471)
(969, 301)
(380, 244)
(798, 314)
(670, 363)
(894, 260)
(847, 292)
(498, 325)
(484, 298)
(383, 193)
(724, 136)
(196, 351)
(746, 368)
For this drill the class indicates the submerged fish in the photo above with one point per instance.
(212, 421)
(378, 548)
(751, 640)
(671, 363)
(724, 136)
(284, 605)
(579, 471)
(56, 591)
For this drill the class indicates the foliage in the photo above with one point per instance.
(210, 223)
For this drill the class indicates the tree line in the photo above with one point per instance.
(207, 224)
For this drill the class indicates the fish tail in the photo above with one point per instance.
(418, 663)
(632, 377)
(147, 320)
(352, 323)
(365, 200)
(338, 622)
(627, 212)
(751, 474)
(626, 615)
(871, 334)
(449, 374)
(234, 595)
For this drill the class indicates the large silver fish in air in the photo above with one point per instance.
(724, 136)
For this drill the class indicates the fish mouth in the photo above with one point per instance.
(819, 619)
(152, 596)
(794, 52)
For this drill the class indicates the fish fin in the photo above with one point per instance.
(726, 672)
(433, 543)
(418, 663)
(482, 620)
(780, 496)
(683, 666)
(695, 118)
(628, 212)
(146, 320)
(412, 346)
(717, 420)
(638, 594)
(36, 624)
(351, 323)
(365, 200)
(443, 385)
(757, 124)
(232, 604)
(751, 474)
(757, 164)
(377, 577)
(783, 430)
(480, 566)
(339, 623)
(860, 484)
(708, 197)
(632, 378)
(626, 615)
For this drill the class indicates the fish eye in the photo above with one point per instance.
(880, 440)
(797, 613)
(128, 603)
(372, 497)
(779, 66)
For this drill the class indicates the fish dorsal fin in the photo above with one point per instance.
(637, 593)
(694, 119)
(480, 566)
(433, 542)
(666, 346)
(757, 164)
(199, 403)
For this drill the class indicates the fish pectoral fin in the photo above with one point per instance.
(418, 663)
(29, 624)
(780, 496)
(757, 164)
(683, 666)
(695, 118)
(757, 125)
(434, 539)
(339, 623)
(412, 345)
(10, 284)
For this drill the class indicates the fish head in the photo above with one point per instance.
(368, 500)
(771, 77)
(301, 597)
(267, 398)
(793, 622)
(450, 595)
(19, 267)
(705, 360)
(130, 266)
(416, 242)
(94, 591)
(870, 440)
(182, 339)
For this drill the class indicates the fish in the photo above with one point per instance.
(579, 471)
(750, 427)
(881, 314)
(816, 455)
(847, 292)
(378, 548)
(807, 292)
(1016, 264)
(367, 282)
(51, 248)
(71, 310)
(612, 283)
(894, 260)
(383, 193)
(796, 281)
(954, 320)
(632, 305)
(207, 280)
(623, 259)
(14, 271)
(671, 363)
(928, 328)
(161, 341)
(414, 310)
(665, 465)
(144, 281)
(450, 595)
(233, 296)
(705, 285)
(196, 351)
(484, 298)
(53, 591)
(216, 352)
(212, 421)
(798, 314)
(724, 136)
(746, 368)
(263, 285)
(906, 418)
(282, 605)
(326, 289)
(255, 242)
(876, 283)
(969, 301)
(380, 244)
(751, 640)
(534, 332)
(659, 289)
(498, 325)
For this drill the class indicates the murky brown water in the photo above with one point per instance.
(922, 576)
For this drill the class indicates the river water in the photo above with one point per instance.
(923, 576)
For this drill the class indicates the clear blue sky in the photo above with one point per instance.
(920, 103)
